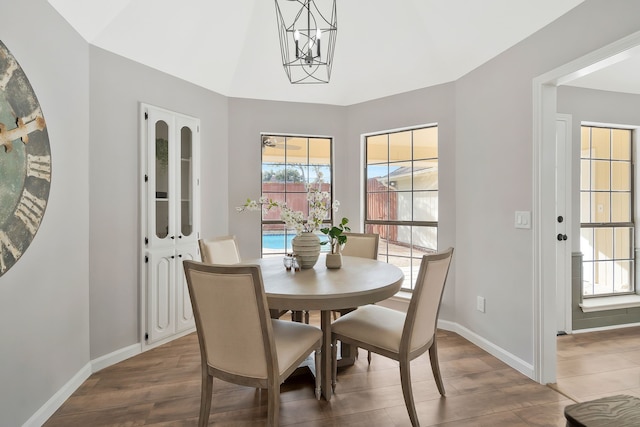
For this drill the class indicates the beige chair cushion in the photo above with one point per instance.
(373, 324)
(292, 339)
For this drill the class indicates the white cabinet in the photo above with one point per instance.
(170, 220)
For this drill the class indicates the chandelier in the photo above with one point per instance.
(307, 39)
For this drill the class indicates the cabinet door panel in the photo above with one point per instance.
(161, 295)
(184, 311)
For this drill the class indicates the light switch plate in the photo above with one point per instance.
(523, 219)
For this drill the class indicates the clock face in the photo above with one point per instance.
(25, 162)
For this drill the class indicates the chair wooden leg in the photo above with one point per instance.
(205, 399)
(306, 317)
(273, 410)
(334, 363)
(369, 357)
(318, 358)
(435, 366)
(405, 381)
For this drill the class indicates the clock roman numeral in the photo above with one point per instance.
(6, 243)
(39, 167)
(30, 211)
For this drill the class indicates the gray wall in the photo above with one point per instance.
(586, 105)
(44, 297)
(118, 85)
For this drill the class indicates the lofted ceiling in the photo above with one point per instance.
(382, 47)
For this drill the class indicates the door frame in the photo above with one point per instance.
(544, 221)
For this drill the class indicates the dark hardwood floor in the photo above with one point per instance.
(161, 387)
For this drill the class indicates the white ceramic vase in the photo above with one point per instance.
(306, 246)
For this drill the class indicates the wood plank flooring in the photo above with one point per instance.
(161, 387)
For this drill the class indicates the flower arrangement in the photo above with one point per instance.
(336, 237)
(318, 208)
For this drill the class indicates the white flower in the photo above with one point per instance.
(318, 210)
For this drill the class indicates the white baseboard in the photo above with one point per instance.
(52, 405)
(496, 351)
(115, 357)
(56, 401)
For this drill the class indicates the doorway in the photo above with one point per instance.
(545, 236)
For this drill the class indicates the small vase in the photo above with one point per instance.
(334, 260)
(307, 247)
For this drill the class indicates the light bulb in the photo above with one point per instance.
(296, 35)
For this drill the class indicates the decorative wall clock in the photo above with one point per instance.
(25, 162)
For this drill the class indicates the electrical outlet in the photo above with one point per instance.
(480, 304)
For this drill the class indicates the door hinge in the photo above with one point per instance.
(146, 240)
(146, 115)
(146, 336)
(146, 259)
(146, 177)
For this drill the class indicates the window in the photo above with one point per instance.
(401, 196)
(289, 164)
(606, 211)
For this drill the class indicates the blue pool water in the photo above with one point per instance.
(277, 241)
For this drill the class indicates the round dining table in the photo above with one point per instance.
(358, 282)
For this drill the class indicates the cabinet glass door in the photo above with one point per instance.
(186, 181)
(162, 179)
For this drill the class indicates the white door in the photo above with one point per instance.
(563, 220)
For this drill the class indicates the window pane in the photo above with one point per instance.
(378, 206)
(296, 176)
(273, 149)
(620, 207)
(585, 142)
(601, 208)
(601, 175)
(621, 176)
(320, 151)
(621, 144)
(296, 150)
(425, 241)
(622, 276)
(622, 239)
(272, 214)
(425, 175)
(425, 143)
(585, 175)
(405, 265)
(603, 244)
(603, 275)
(585, 206)
(399, 240)
(400, 146)
(425, 205)
(401, 209)
(377, 149)
(600, 143)
(586, 244)
(587, 279)
(400, 176)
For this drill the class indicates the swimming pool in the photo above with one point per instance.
(276, 242)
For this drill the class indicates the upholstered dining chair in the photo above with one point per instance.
(257, 351)
(363, 245)
(219, 250)
(397, 335)
(224, 250)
